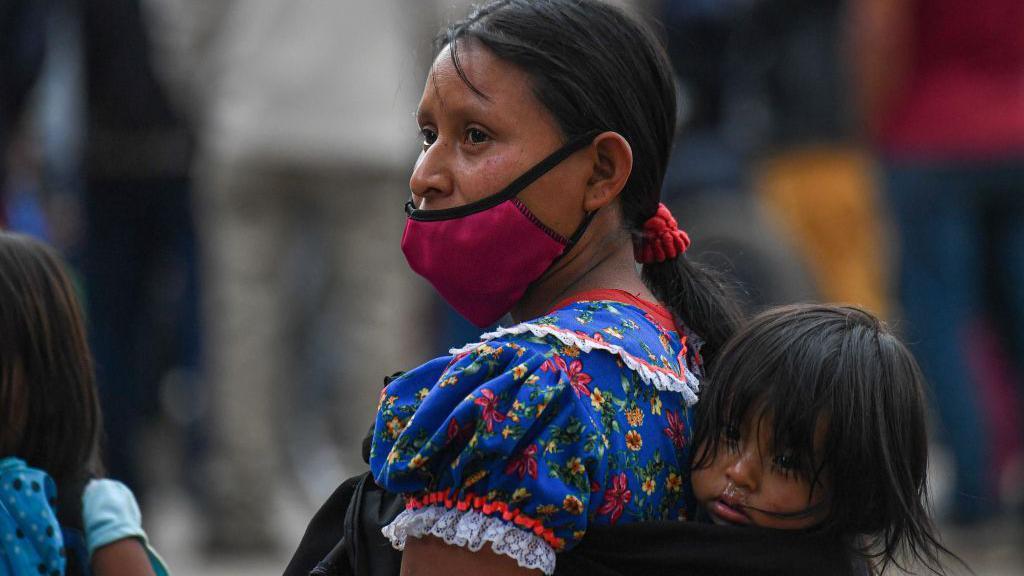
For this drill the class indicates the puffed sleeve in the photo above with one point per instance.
(496, 446)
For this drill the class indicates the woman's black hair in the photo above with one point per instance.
(806, 364)
(594, 67)
(49, 408)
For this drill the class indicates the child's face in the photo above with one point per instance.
(746, 484)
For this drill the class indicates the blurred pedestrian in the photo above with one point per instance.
(941, 87)
(139, 260)
(305, 137)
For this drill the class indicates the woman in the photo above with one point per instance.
(546, 130)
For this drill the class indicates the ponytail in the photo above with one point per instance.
(699, 296)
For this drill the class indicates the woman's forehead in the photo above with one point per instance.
(497, 83)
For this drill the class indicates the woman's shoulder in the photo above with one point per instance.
(573, 418)
(637, 339)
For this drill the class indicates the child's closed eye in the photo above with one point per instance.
(789, 464)
(731, 437)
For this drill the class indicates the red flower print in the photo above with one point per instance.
(579, 379)
(553, 364)
(676, 430)
(525, 463)
(490, 413)
(458, 433)
(616, 498)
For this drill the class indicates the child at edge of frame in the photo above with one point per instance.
(58, 515)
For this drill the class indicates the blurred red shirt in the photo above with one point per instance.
(963, 97)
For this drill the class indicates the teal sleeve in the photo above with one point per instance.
(110, 513)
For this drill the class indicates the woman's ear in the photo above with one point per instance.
(613, 163)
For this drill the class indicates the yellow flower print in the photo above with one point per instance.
(422, 394)
(656, 406)
(635, 417)
(570, 351)
(648, 486)
(531, 379)
(540, 408)
(634, 441)
(596, 398)
(517, 405)
(578, 534)
(674, 482)
(519, 371)
(476, 477)
(393, 456)
(520, 494)
(665, 342)
(572, 505)
(506, 431)
(551, 446)
(449, 381)
(546, 510)
(575, 465)
(416, 462)
(395, 427)
(614, 332)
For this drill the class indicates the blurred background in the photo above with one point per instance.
(227, 179)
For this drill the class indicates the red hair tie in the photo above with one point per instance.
(662, 239)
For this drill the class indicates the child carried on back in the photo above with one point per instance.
(814, 419)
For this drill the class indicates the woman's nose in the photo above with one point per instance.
(431, 176)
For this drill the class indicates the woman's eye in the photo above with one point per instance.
(476, 136)
(429, 136)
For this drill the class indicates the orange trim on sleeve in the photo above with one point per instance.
(496, 508)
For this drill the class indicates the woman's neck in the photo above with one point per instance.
(603, 259)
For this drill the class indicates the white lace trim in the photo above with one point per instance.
(688, 386)
(472, 529)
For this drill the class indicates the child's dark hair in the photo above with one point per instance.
(804, 364)
(594, 67)
(49, 410)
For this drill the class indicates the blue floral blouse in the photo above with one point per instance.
(524, 439)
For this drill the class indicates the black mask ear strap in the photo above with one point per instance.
(510, 191)
(580, 230)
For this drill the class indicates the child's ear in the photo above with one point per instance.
(612, 165)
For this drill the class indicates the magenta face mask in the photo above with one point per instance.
(481, 257)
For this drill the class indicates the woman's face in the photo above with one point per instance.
(474, 146)
(747, 484)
